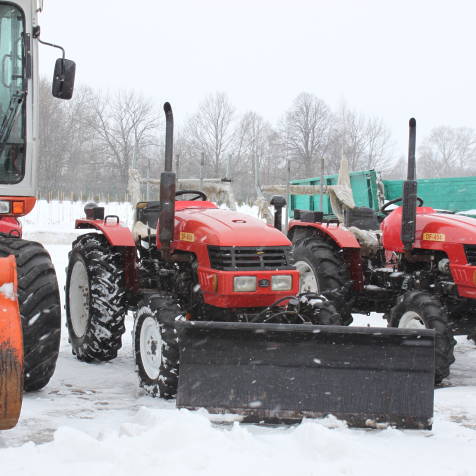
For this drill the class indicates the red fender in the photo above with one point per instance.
(339, 234)
(342, 237)
(115, 232)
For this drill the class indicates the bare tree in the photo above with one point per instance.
(53, 139)
(447, 152)
(378, 150)
(307, 127)
(251, 152)
(127, 127)
(364, 141)
(210, 129)
(68, 143)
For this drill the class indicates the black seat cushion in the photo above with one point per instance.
(361, 217)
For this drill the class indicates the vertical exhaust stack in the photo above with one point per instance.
(167, 187)
(410, 193)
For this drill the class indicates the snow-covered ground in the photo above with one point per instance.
(91, 419)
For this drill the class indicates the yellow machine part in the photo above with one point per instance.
(11, 346)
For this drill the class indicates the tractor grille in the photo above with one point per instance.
(242, 258)
(470, 251)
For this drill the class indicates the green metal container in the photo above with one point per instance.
(364, 190)
(456, 194)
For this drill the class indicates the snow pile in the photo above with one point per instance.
(53, 222)
(60, 215)
(181, 442)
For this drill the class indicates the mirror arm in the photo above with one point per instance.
(36, 34)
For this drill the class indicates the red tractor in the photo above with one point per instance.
(215, 294)
(416, 265)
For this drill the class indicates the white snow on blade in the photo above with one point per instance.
(8, 291)
(94, 420)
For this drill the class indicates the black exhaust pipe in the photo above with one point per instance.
(167, 187)
(410, 193)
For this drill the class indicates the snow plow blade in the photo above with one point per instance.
(11, 346)
(281, 373)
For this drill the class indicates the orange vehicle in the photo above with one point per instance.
(11, 346)
(30, 311)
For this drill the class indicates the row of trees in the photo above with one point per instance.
(90, 144)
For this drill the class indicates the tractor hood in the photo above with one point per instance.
(217, 227)
(433, 230)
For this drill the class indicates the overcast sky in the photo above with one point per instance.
(392, 59)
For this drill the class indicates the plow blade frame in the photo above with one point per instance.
(285, 372)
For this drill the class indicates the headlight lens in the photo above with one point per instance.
(281, 283)
(244, 283)
(4, 206)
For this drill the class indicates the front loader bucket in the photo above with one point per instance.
(11, 346)
(285, 372)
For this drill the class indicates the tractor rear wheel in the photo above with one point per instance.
(40, 309)
(322, 269)
(156, 347)
(95, 298)
(420, 310)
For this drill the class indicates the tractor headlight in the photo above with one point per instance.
(282, 283)
(4, 206)
(244, 283)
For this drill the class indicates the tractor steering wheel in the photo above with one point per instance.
(198, 194)
(396, 200)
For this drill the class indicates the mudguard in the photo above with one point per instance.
(339, 234)
(115, 232)
(285, 372)
(11, 346)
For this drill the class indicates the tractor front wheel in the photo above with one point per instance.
(95, 298)
(420, 310)
(156, 347)
(322, 270)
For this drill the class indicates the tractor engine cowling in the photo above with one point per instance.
(242, 262)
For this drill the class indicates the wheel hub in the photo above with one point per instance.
(308, 280)
(150, 347)
(411, 320)
(79, 298)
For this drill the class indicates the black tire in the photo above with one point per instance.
(156, 347)
(434, 316)
(40, 309)
(330, 272)
(95, 315)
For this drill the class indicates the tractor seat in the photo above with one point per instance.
(361, 217)
(363, 223)
(146, 216)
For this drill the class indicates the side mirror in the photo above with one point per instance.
(63, 78)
